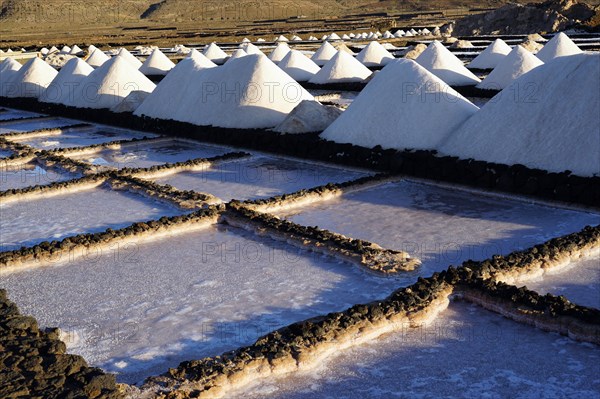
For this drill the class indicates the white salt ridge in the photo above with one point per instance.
(62, 89)
(517, 63)
(109, 84)
(324, 54)
(298, 66)
(237, 54)
(97, 58)
(167, 97)
(559, 46)
(214, 53)
(341, 68)
(404, 106)
(279, 52)
(8, 69)
(30, 80)
(308, 117)
(438, 60)
(201, 59)
(537, 129)
(157, 64)
(491, 56)
(374, 54)
(130, 58)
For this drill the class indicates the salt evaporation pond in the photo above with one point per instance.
(81, 137)
(258, 177)
(5, 153)
(143, 155)
(467, 352)
(579, 282)
(26, 223)
(30, 174)
(185, 297)
(440, 226)
(15, 113)
(35, 124)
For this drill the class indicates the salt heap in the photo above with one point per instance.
(53, 49)
(296, 38)
(340, 69)
(324, 54)
(8, 69)
(559, 46)
(491, 56)
(388, 35)
(201, 59)
(251, 49)
(545, 133)
(65, 50)
(438, 60)
(299, 66)
(246, 40)
(137, 64)
(404, 106)
(260, 40)
(374, 55)
(279, 52)
(30, 80)
(109, 84)
(237, 54)
(245, 93)
(215, 54)
(517, 63)
(333, 37)
(63, 87)
(309, 117)
(43, 51)
(76, 50)
(157, 64)
(399, 33)
(131, 102)
(167, 98)
(91, 49)
(346, 37)
(282, 39)
(97, 58)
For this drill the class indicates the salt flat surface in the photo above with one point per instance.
(258, 177)
(31, 222)
(14, 113)
(438, 225)
(467, 352)
(30, 174)
(83, 137)
(29, 125)
(150, 306)
(579, 283)
(143, 155)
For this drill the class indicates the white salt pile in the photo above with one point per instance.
(438, 60)
(8, 70)
(201, 59)
(43, 51)
(246, 40)
(536, 129)
(109, 84)
(346, 37)
(97, 58)
(298, 66)
(130, 58)
(63, 87)
(308, 117)
(251, 49)
(296, 38)
(374, 55)
(334, 37)
(282, 39)
(53, 49)
(324, 54)
(76, 50)
(279, 52)
(131, 102)
(491, 56)
(157, 64)
(215, 54)
(559, 46)
(404, 106)
(399, 33)
(31, 80)
(167, 97)
(341, 68)
(91, 49)
(65, 50)
(237, 54)
(517, 63)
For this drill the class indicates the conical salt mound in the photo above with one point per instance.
(404, 106)
(341, 68)
(76, 50)
(53, 49)
(341, 46)
(282, 39)
(157, 64)
(279, 52)
(91, 49)
(97, 58)
(8, 69)
(298, 66)
(438, 60)
(215, 54)
(167, 97)
(65, 50)
(559, 46)
(334, 37)
(324, 54)
(491, 56)
(62, 89)
(517, 63)
(201, 59)
(374, 55)
(296, 38)
(245, 93)
(31, 80)
(251, 49)
(237, 54)
(137, 64)
(109, 84)
(246, 40)
(537, 129)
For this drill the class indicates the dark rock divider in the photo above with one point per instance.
(474, 91)
(343, 86)
(34, 363)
